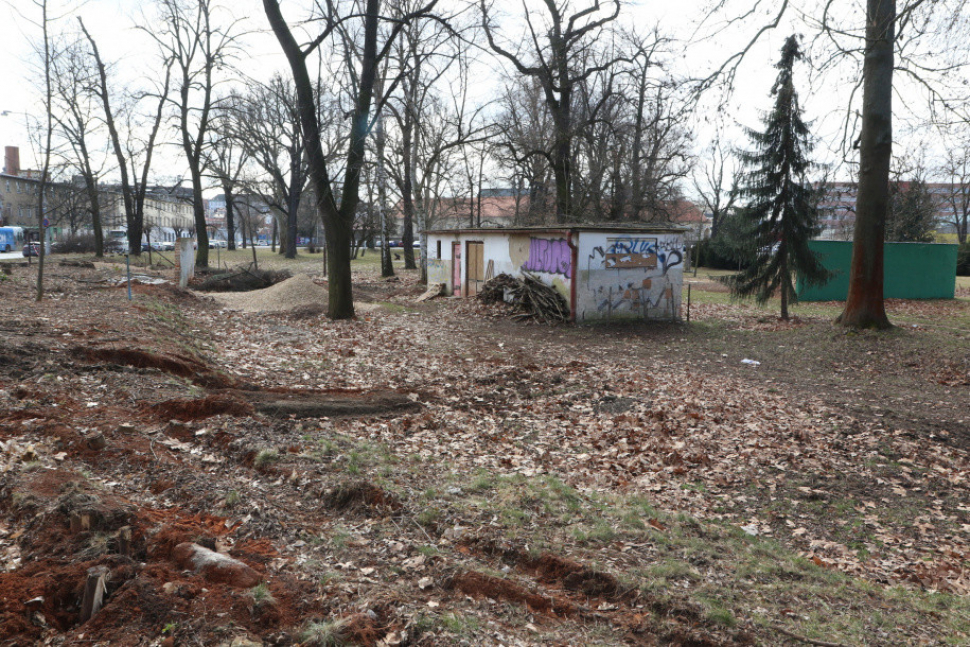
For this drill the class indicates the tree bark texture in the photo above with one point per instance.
(230, 220)
(864, 307)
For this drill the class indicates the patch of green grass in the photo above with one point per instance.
(328, 577)
(339, 538)
(459, 624)
(353, 462)
(233, 498)
(325, 633)
(699, 486)
(721, 616)
(427, 551)
(265, 457)
(428, 517)
(599, 533)
(261, 595)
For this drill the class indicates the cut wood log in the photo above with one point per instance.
(124, 541)
(214, 566)
(534, 298)
(80, 522)
(434, 290)
(95, 588)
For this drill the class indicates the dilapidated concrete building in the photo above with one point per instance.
(604, 271)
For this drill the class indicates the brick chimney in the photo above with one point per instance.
(11, 160)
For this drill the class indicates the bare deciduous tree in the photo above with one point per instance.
(716, 183)
(74, 78)
(134, 151)
(560, 55)
(338, 216)
(956, 197)
(191, 36)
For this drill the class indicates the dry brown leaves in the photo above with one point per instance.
(616, 418)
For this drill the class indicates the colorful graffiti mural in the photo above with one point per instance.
(628, 253)
(633, 297)
(624, 253)
(439, 271)
(551, 256)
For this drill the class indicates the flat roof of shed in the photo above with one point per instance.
(624, 228)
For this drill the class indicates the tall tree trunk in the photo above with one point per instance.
(864, 307)
(407, 190)
(293, 205)
(230, 220)
(337, 221)
(636, 162)
(561, 168)
(91, 186)
(198, 210)
(387, 267)
(562, 151)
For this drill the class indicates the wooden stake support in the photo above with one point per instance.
(94, 589)
(80, 522)
(124, 541)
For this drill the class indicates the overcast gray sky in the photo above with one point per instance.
(112, 24)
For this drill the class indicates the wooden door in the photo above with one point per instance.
(475, 272)
(456, 269)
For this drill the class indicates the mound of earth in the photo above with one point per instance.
(297, 292)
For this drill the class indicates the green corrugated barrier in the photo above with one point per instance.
(912, 271)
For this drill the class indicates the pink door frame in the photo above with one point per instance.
(456, 269)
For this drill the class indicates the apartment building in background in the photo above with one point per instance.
(837, 208)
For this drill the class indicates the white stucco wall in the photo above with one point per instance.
(495, 249)
(618, 275)
(629, 276)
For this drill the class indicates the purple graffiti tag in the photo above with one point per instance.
(549, 256)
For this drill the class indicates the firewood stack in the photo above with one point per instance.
(534, 298)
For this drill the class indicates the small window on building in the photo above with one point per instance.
(439, 249)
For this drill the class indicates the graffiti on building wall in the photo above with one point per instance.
(629, 253)
(632, 296)
(439, 270)
(549, 256)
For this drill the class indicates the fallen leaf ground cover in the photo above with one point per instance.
(516, 484)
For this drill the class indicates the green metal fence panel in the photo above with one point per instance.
(912, 271)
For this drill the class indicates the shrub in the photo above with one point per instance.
(77, 244)
(963, 260)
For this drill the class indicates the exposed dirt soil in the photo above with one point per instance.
(435, 474)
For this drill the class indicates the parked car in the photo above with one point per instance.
(115, 247)
(31, 249)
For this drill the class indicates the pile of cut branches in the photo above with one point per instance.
(494, 289)
(531, 296)
(242, 279)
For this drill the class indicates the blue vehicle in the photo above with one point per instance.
(11, 238)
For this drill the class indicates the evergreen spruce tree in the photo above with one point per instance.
(912, 213)
(782, 204)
